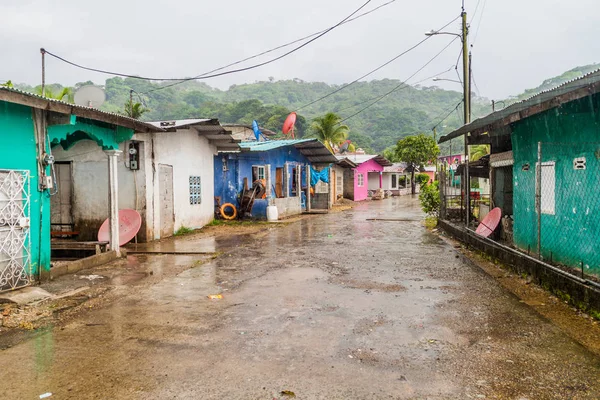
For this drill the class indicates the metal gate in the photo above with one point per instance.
(15, 250)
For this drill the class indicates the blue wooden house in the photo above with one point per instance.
(283, 167)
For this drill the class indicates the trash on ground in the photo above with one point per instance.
(215, 296)
(288, 393)
(91, 277)
(45, 395)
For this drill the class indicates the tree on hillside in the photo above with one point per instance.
(479, 151)
(329, 131)
(7, 84)
(135, 110)
(416, 151)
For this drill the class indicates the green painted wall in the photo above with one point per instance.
(17, 151)
(572, 234)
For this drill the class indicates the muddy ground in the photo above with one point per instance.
(341, 306)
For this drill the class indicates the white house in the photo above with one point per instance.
(166, 176)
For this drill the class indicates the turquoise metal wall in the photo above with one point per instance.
(572, 234)
(18, 151)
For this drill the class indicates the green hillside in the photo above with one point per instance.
(408, 110)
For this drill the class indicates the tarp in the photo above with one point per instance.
(316, 176)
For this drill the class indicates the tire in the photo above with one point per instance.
(224, 214)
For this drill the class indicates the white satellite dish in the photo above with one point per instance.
(90, 96)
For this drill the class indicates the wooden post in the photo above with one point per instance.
(268, 183)
(308, 188)
(298, 178)
(538, 198)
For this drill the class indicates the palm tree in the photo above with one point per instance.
(49, 94)
(479, 151)
(134, 111)
(329, 131)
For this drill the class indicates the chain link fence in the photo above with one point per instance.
(557, 204)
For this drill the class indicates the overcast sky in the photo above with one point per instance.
(519, 43)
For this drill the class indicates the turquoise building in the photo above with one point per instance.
(545, 172)
(30, 126)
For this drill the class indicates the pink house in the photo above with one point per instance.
(367, 175)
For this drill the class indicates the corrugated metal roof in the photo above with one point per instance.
(362, 158)
(17, 96)
(272, 144)
(179, 123)
(395, 167)
(531, 106)
(211, 129)
(312, 149)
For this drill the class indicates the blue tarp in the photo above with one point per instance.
(316, 176)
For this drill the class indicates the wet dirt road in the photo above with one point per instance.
(330, 307)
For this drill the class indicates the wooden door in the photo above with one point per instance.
(61, 216)
(279, 182)
(167, 210)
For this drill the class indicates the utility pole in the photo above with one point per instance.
(436, 160)
(467, 112)
(43, 51)
(131, 103)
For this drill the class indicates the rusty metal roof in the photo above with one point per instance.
(17, 96)
(572, 90)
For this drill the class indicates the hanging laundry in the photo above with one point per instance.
(316, 176)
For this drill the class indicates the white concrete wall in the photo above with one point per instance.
(90, 185)
(288, 206)
(190, 155)
(373, 183)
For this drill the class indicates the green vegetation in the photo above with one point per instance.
(406, 112)
(329, 131)
(430, 199)
(416, 151)
(183, 230)
(422, 179)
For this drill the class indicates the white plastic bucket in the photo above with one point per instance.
(272, 213)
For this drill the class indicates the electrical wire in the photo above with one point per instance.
(273, 49)
(479, 23)
(475, 12)
(401, 84)
(407, 86)
(436, 117)
(220, 73)
(372, 71)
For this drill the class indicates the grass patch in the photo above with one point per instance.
(431, 222)
(223, 222)
(183, 230)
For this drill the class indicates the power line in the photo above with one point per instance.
(407, 86)
(479, 23)
(373, 70)
(220, 73)
(273, 49)
(447, 115)
(401, 84)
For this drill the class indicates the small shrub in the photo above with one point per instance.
(430, 198)
(422, 179)
(183, 230)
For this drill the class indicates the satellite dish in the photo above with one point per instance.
(90, 96)
(288, 124)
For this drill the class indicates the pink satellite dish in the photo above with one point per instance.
(288, 124)
(489, 223)
(130, 223)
